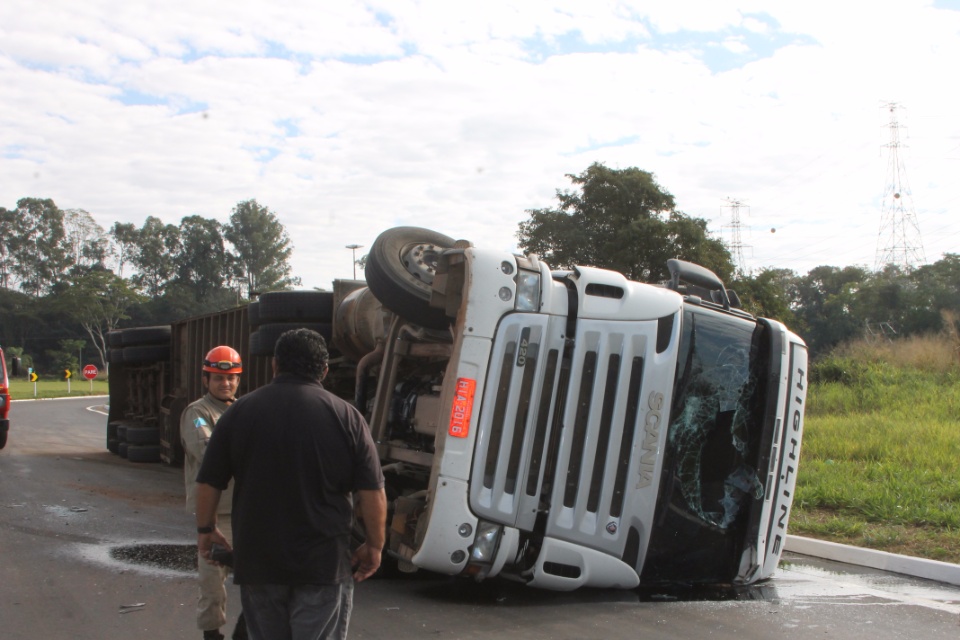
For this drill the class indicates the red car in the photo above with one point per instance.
(4, 401)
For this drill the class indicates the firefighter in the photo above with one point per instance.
(220, 376)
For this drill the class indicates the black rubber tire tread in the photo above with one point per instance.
(159, 334)
(3, 439)
(268, 334)
(115, 355)
(113, 445)
(112, 436)
(290, 306)
(115, 338)
(122, 448)
(146, 353)
(253, 314)
(400, 291)
(122, 431)
(143, 453)
(255, 345)
(143, 435)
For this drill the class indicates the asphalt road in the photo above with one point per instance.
(76, 521)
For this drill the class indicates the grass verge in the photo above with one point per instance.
(56, 388)
(881, 454)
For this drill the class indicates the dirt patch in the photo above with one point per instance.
(133, 495)
(175, 557)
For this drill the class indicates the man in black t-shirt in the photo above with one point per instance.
(298, 456)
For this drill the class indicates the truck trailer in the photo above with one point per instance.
(558, 428)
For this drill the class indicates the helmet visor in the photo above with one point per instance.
(223, 365)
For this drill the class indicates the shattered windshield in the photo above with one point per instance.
(709, 430)
(710, 475)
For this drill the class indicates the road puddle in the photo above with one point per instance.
(802, 580)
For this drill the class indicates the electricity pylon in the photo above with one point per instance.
(736, 245)
(899, 242)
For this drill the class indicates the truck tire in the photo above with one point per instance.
(115, 338)
(295, 306)
(268, 334)
(3, 439)
(146, 335)
(113, 440)
(143, 435)
(115, 355)
(122, 431)
(255, 345)
(143, 453)
(146, 353)
(400, 269)
(122, 448)
(253, 314)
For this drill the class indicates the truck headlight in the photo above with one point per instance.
(484, 549)
(528, 291)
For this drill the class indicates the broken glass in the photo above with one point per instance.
(709, 429)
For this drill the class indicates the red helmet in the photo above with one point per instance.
(223, 359)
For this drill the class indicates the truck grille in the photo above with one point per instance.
(558, 444)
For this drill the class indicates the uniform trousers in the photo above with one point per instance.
(212, 603)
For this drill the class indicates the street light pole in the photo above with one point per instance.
(353, 248)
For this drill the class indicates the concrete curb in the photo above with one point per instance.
(916, 567)
(59, 398)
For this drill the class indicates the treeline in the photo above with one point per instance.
(623, 219)
(830, 306)
(65, 281)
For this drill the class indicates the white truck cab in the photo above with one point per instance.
(569, 429)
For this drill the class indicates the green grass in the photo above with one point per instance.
(21, 389)
(880, 464)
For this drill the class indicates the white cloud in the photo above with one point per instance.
(351, 117)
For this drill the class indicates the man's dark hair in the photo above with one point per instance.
(302, 352)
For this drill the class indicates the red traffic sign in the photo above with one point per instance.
(90, 372)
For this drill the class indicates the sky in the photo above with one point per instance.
(347, 118)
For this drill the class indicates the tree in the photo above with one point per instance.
(827, 313)
(771, 293)
(621, 220)
(937, 288)
(20, 317)
(88, 242)
(125, 239)
(202, 261)
(39, 253)
(66, 357)
(262, 248)
(98, 301)
(155, 259)
(6, 235)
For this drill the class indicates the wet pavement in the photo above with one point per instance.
(806, 580)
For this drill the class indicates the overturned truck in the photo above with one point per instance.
(562, 429)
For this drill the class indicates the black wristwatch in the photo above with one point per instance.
(205, 529)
